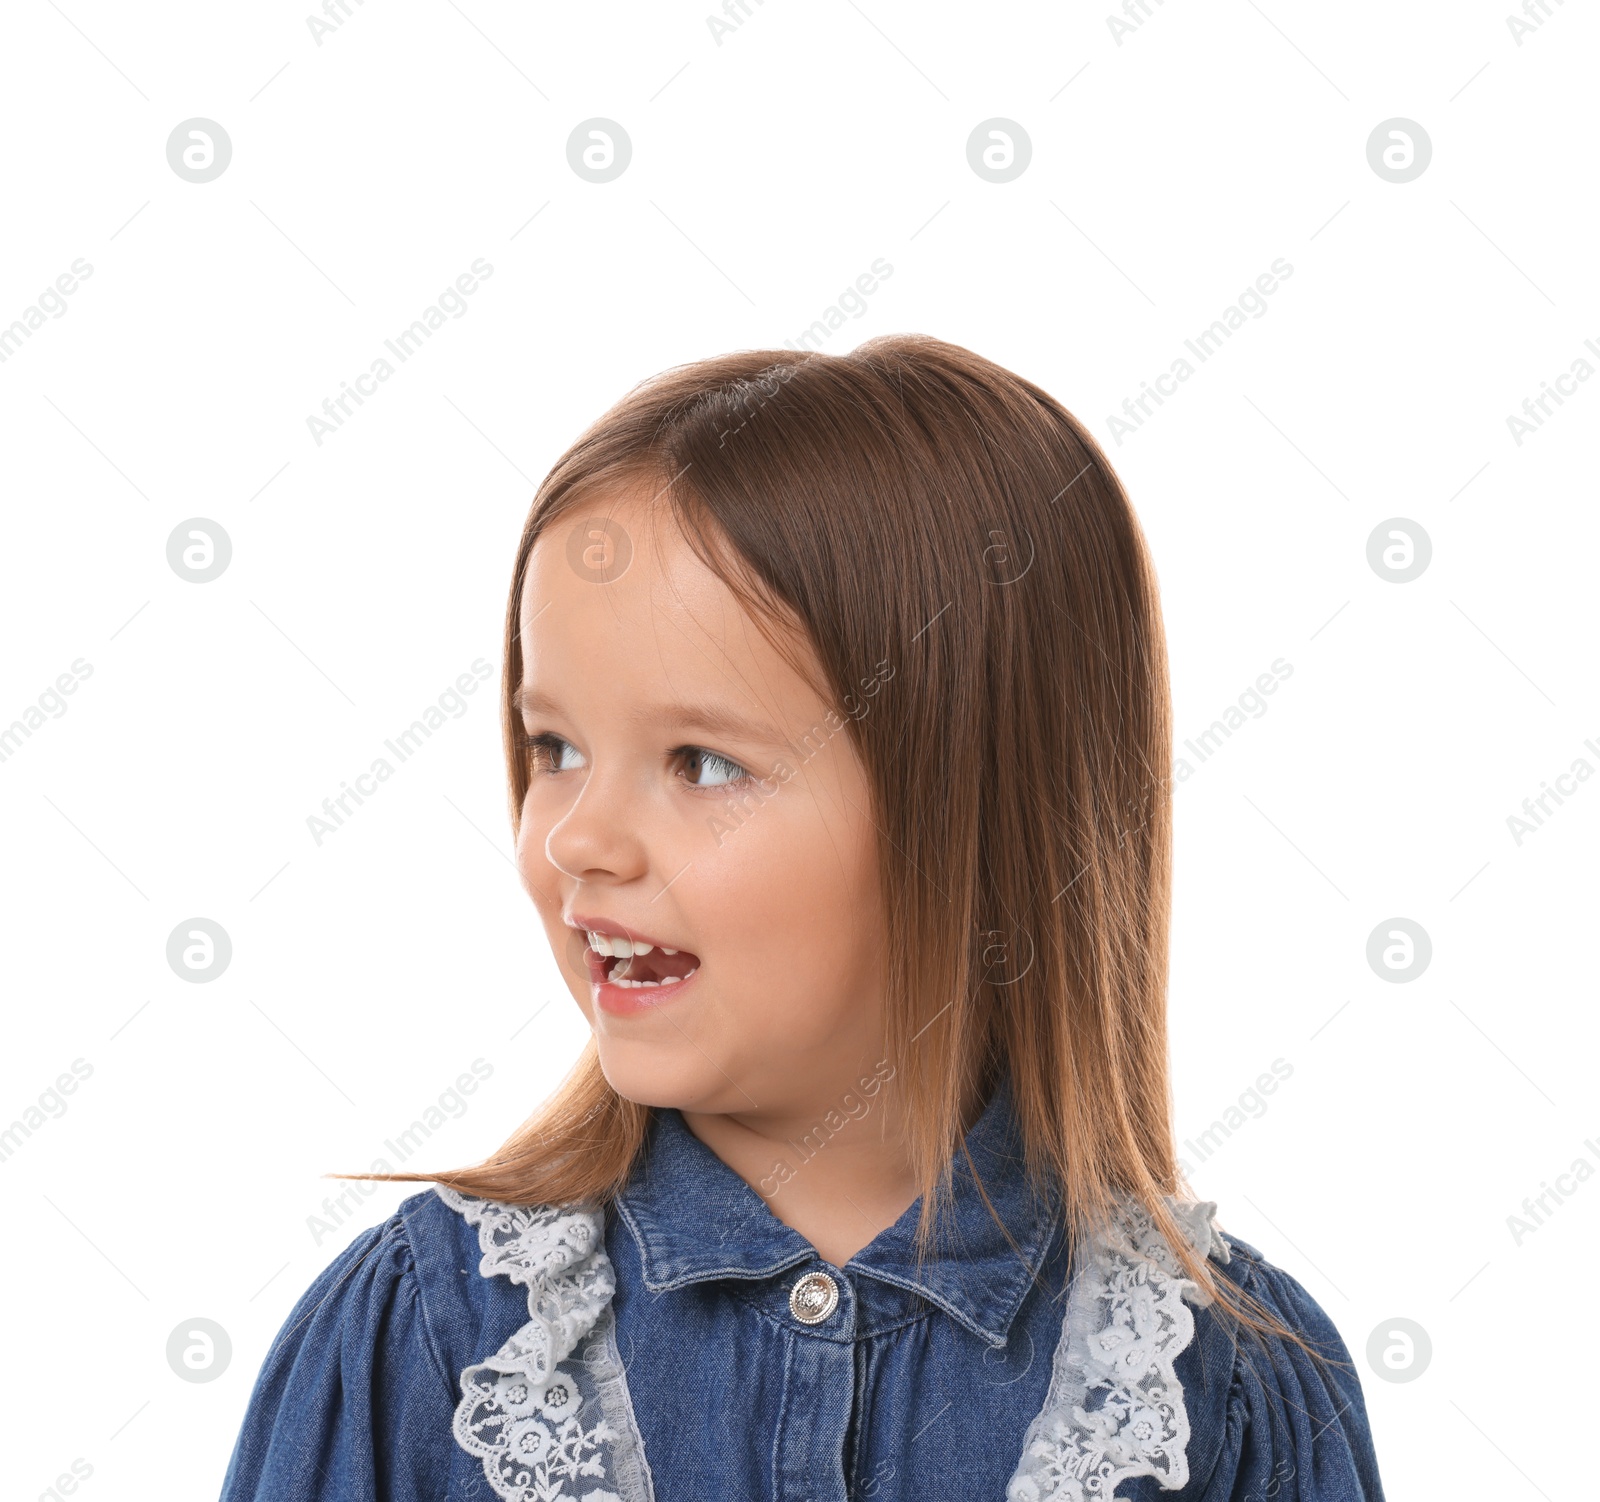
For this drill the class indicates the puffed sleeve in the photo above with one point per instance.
(352, 1403)
(1295, 1428)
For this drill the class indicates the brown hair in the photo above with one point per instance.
(914, 504)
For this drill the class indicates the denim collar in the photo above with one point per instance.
(695, 1219)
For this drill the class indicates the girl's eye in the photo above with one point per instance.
(547, 752)
(707, 771)
(723, 772)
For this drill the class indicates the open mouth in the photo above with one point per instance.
(652, 969)
(635, 965)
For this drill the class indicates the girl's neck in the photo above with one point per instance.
(837, 1179)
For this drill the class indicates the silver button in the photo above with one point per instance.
(813, 1298)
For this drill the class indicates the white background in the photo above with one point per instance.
(1168, 171)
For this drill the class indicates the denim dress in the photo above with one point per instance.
(684, 1345)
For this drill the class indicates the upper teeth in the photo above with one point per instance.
(615, 944)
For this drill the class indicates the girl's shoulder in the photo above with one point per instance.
(1154, 1390)
(1273, 1415)
(371, 1354)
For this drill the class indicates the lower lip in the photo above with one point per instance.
(624, 1001)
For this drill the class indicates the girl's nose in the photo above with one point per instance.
(599, 837)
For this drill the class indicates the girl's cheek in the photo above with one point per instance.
(751, 818)
(538, 875)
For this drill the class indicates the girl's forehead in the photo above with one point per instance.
(608, 535)
(627, 598)
(627, 567)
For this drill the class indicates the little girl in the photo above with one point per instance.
(837, 726)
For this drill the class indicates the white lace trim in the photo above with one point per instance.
(1125, 1324)
(1115, 1407)
(523, 1411)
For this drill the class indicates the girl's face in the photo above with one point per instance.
(690, 790)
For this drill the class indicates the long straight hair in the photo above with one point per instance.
(915, 504)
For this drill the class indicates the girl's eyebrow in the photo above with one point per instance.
(685, 716)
